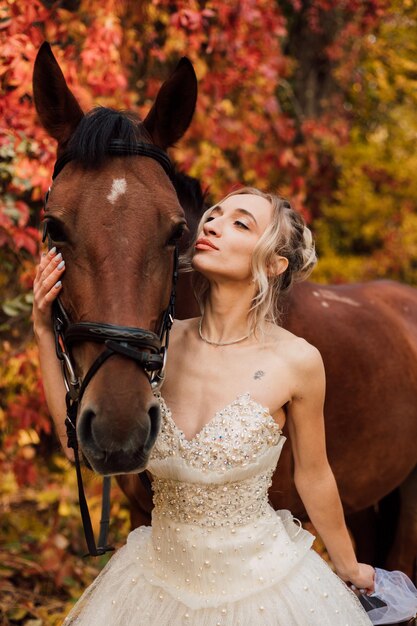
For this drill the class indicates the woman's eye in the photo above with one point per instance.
(54, 230)
(241, 225)
(209, 219)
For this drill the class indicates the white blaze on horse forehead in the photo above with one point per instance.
(118, 188)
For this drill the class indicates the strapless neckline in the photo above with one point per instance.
(241, 397)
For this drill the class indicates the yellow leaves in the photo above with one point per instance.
(409, 234)
(61, 463)
(250, 177)
(226, 107)
(8, 484)
(17, 614)
(27, 437)
(200, 67)
(367, 229)
(156, 13)
(64, 509)
(336, 269)
(48, 496)
(212, 165)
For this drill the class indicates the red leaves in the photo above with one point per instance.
(25, 471)
(14, 231)
(192, 20)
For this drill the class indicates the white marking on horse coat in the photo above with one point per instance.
(330, 295)
(118, 188)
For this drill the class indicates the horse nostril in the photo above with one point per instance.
(154, 413)
(85, 431)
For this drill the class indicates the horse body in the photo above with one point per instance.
(119, 217)
(367, 335)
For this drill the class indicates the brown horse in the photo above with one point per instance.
(117, 241)
(116, 220)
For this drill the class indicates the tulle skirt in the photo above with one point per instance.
(262, 574)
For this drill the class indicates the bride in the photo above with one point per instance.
(217, 553)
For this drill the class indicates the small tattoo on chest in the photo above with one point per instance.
(258, 374)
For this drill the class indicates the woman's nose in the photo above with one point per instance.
(212, 228)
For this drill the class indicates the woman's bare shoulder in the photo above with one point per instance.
(299, 353)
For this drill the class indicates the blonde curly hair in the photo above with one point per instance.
(287, 235)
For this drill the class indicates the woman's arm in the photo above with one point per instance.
(313, 477)
(46, 288)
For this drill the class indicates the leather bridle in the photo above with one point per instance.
(145, 347)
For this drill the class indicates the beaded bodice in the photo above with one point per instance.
(222, 475)
(214, 534)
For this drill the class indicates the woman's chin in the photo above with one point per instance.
(205, 267)
(199, 264)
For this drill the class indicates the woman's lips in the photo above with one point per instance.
(205, 244)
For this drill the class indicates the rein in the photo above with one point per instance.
(147, 348)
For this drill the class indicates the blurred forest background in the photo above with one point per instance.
(314, 98)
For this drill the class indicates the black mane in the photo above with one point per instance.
(89, 147)
(90, 141)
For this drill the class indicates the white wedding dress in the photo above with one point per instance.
(217, 554)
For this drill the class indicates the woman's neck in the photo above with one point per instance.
(226, 312)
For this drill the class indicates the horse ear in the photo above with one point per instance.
(58, 109)
(173, 109)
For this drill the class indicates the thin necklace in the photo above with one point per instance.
(219, 343)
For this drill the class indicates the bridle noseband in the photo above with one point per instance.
(145, 347)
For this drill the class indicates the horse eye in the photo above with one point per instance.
(176, 234)
(54, 231)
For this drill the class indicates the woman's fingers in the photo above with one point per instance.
(50, 288)
(52, 293)
(50, 275)
(45, 260)
(47, 284)
(42, 272)
(51, 263)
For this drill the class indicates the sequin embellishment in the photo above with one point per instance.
(236, 435)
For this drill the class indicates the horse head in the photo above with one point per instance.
(116, 217)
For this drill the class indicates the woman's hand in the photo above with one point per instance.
(46, 287)
(363, 578)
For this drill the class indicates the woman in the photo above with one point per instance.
(217, 553)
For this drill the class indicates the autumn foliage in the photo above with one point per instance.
(315, 99)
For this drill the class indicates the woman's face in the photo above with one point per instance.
(225, 245)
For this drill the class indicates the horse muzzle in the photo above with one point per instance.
(108, 446)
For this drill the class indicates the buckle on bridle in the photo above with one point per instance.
(71, 382)
(157, 378)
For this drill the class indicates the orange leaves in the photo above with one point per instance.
(22, 416)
